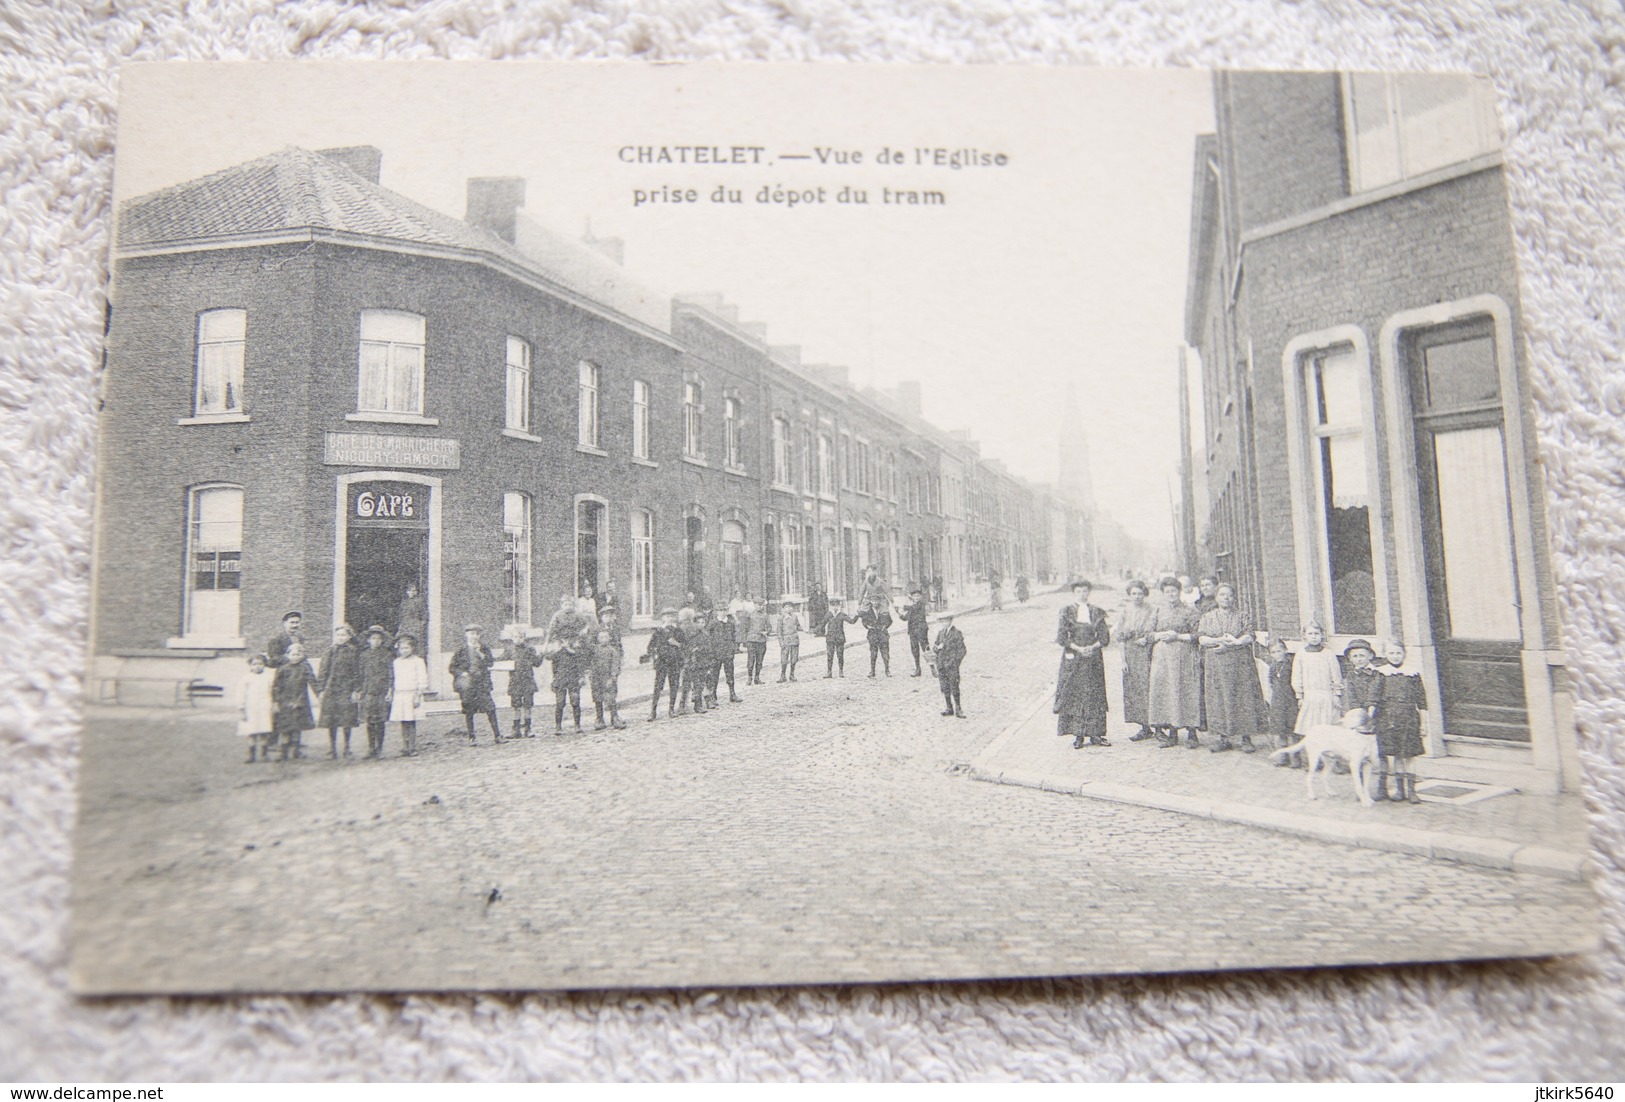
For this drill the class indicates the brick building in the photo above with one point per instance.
(1369, 448)
(320, 392)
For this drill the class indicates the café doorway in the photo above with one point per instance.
(386, 546)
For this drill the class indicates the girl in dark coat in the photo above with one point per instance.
(1080, 684)
(290, 692)
(340, 681)
(1283, 712)
(1399, 725)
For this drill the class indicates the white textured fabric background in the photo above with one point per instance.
(1560, 73)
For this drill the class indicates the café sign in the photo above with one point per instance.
(377, 449)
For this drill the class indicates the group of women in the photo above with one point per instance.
(1186, 668)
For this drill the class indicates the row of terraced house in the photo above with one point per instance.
(319, 392)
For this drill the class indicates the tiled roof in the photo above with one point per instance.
(295, 190)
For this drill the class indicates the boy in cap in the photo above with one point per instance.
(377, 681)
(276, 651)
(789, 639)
(835, 638)
(949, 652)
(471, 677)
(666, 652)
(606, 680)
(919, 628)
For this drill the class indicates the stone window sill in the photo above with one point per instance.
(382, 418)
(521, 434)
(588, 449)
(642, 462)
(215, 419)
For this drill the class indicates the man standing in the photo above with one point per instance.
(950, 652)
(471, 677)
(919, 627)
(276, 651)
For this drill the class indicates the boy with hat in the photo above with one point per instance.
(377, 681)
(789, 639)
(950, 652)
(471, 677)
(666, 652)
(919, 629)
(835, 638)
(276, 651)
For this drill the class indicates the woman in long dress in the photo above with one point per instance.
(1134, 632)
(1176, 669)
(1230, 673)
(1080, 685)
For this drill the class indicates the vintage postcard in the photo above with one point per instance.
(573, 526)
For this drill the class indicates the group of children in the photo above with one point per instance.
(692, 650)
(1313, 687)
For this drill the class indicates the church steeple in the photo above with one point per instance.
(1075, 479)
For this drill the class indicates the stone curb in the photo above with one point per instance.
(1494, 853)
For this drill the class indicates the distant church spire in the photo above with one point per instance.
(1076, 482)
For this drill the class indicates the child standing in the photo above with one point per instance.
(256, 710)
(411, 681)
(522, 686)
(1399, 725)
(606, 681)
(789, 640)
(666, 652)
(569, 669)
(949, 652)
(471, 677)
(377, 679)
(340, 681)
(1283, 710)
(835, 639)
(878, 621)
(291, 690)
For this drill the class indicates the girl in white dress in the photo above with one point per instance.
(256, 713)
(1317, 680)
(411, 682)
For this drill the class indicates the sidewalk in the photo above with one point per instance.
(1523, 832)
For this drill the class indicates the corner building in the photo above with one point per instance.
(320, 393)
(1370, 449)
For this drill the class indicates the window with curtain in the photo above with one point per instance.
(518, 357)
(214, 557)
(392, 353)
(222, 349)
(587, 405)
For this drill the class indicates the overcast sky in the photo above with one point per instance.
(1068, 261)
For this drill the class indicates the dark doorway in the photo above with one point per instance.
(386, 550)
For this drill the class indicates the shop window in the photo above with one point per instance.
(222, 344)
(1401, 125)
(643, 563)
(214, 558)
(518, 358)
(730, 434)
(392, 349)
(1340, 446)
(516, 537)
(640, 419)
(587, 405)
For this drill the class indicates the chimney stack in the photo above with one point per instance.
(908, 398)
(494, 202)
(366, 161)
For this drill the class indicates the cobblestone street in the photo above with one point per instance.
(819, 831)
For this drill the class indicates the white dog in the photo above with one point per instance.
(1347, 740)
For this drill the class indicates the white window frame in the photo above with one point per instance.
(234, 350)
(782, 467)
(643, 564)
(588, 427)
(517, 542)
(640, 419)
(192, 633)
(1409, 163)
(1309, 522)
(732, 459)
(693, 426)
(517, 358)
(401, 358)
